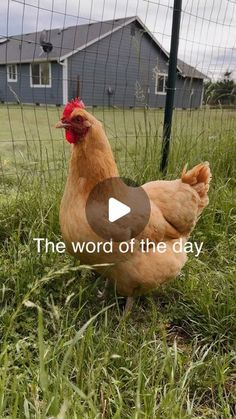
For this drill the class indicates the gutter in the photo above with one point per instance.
(64, 65)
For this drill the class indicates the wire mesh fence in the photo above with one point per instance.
(115, 55)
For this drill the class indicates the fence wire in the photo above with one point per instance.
(114, 55)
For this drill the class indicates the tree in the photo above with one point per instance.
(221, 92)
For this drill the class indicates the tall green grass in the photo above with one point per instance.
(65, 355)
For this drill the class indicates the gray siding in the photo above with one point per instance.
(126, 65)
(188, 92)
(28, 94)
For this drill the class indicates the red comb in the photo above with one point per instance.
(70, 106)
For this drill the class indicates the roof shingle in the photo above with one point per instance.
(26, 47)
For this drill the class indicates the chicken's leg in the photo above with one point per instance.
(128, 305)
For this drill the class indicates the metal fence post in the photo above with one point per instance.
(171, 84)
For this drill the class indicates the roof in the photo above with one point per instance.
(190, 71)
(67, 41)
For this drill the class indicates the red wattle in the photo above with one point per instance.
(71, 137)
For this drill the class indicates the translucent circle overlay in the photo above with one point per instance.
(126, 227)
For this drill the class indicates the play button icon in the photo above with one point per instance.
(116, 210)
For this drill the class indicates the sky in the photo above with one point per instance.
(207, 33)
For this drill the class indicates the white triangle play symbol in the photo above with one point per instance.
(117, 209)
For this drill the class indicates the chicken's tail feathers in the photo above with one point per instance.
(199, 174)
(199, 178)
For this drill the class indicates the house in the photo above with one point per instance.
(111, 63)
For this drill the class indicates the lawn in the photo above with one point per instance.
(66, 355)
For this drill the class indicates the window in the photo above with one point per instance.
(160, 86)
(12, 73)
(41, 75)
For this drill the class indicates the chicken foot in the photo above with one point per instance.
(102, 295)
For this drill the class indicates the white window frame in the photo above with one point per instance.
(156, 83)
(9, 79)
(41, 85)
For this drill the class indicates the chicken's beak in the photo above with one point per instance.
(61, 124)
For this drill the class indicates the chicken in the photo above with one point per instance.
(175, 208)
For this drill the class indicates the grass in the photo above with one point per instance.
(65, 355)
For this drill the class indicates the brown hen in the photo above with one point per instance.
(175, 208)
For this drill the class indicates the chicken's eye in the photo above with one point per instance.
(78, 119)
